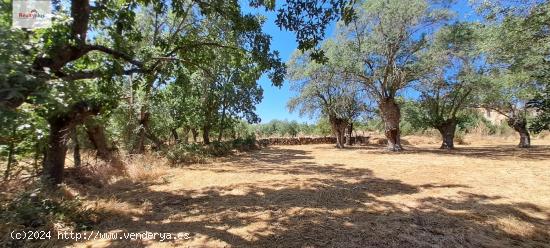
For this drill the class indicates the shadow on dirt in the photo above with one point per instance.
(344, 208)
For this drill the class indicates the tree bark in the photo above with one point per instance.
(350, 134)
(139, 147)
(55, 154)
(447, 130)
(206, 135)
(221, 124)
(144, 117)
(96, 135)
(519, 124)
(338, 126)
(391, 115)
(61, 125)
(76, 149)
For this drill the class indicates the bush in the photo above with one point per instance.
(186, 153)
(37, 209)
(196, 153)
(245, 144)
(218, 149)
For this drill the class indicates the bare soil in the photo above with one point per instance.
(479, 195)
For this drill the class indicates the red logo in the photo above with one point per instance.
(33, 14)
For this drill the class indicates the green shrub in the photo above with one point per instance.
(245, 144)
(40, 210)
(186, 153)
(218, 149)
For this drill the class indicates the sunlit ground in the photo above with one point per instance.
(485, 194)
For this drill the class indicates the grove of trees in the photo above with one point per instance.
(135, 75)
(393, 48)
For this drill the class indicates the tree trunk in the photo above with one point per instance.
(76, 149)
(159, 144)
(144, 117)
(206, 135)
(391, 115)
(447, 131)
(60, 127)
(339, 130)
(520, 125)
(175, 135)
(185, 138)
(37, 152)
(220, 135)
(96, 134)
(221, 124)
(350, 134)
(195, 134)
(11, 149)
(143, 125)
(55, 155)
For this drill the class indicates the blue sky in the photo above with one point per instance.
(273, 105)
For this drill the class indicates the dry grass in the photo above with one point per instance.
(480, 195)
(485, 194)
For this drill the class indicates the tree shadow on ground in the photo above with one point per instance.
(499, 152)
(340, 208)
(336, 214)
(275, 155)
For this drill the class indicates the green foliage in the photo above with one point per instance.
(41, 210)
(541, 105)
(198, 153)
(322, 128)
(324, 89)
(23, 134)
(387, 34)
(186, 153)
(309, 19)
(517, 43)
(245, 143)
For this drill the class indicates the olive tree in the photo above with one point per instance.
(516, 43)
(453, 73)
(325, 89)
(386, 38)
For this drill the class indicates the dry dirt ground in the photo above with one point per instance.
(480, 195)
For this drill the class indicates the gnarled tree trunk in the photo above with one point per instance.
(96, 135)
(391, 115)
(520, 125)
(447, 130)
(139, 147)
(338, 126)
(54, 162)
(60, 128)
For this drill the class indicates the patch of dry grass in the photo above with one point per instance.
(480, 195)
(485, 194)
